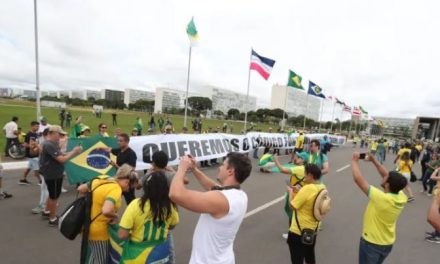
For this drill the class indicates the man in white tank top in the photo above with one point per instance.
(222, 207)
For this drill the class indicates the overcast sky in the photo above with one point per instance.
(381, 54)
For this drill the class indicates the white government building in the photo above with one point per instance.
(132, 95)
(224, 100)
(170, 98)
(296, 101)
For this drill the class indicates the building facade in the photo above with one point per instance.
(112, 95)
(223, 100)
(297, 102)
(166, 98)
(94, 94)
(132, 95)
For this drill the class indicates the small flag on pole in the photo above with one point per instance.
(294, 80)
(261, 64)
(346, 108)
(356, 111)
(363, 110)
(315, 90)
(339, 102)
(192, 32)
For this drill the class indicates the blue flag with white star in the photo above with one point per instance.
(315, 90)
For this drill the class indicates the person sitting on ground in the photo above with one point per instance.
(222, 207)
(304, 218)
(434, 219)
(107, 192)
(405, 168)
(147, 221)
(383, 210)
(266, 162)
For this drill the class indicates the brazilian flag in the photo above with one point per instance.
(92, 161)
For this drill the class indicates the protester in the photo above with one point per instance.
(431, 166)
(304, 218)
(118, 132)
(317, 158)
(85, 132)
(383, 210)
(114, 121)
(266, 162)
(134, 132)
(139, 126)
(52, 168)
(434, 219)
(405, 168)
(149, 219)
(32, 153)
(44, 193)
(152, 123)
(102, 130)
(106, 202)
(380, 151)
(43, 125)
(299, 143)
(11, 132)
(3, 193)
(425, 159)
(222, 207)
(68, 119)
(296, 179)
(62, 117)
(124, 155)
(405, 148)
(168, 129)
(160, 123)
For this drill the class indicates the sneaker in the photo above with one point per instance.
(53, 222)
(5, 195)
(63, 190)
(37, 210)
(429, 194)
(285, 235)
(433, 239)
(45, 214)
(411, 199)
(23, 182)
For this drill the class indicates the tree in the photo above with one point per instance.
(233, 112)
(277, 112)
(219, 113)
(200, 103)
(262, 113)
(142, 105)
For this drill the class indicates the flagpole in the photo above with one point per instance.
(187, 86)
(351, 120)
(307, 110)
(333, 117)
(285, 107)
(320, 115)
(247, 94)
(37, 70)
(340, 120)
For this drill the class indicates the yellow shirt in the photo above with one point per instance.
(297, 175)
(419, 147)
(107, 192)
(141, 223)
(303, 203)
(381, 216)
(374, 145)
(403, 150)
(21, 137)
(405, 168)
(300, 142)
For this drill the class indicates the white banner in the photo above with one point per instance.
(212, 146)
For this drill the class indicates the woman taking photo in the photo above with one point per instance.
(106, 197)
(147, 221)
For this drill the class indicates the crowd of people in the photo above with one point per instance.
(148, 219)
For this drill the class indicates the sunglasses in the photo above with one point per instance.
(103, 127)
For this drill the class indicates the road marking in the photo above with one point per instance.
(343, 168)
(264, 206)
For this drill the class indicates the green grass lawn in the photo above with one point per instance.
(26, 112)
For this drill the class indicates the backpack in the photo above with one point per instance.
(322, 205)
(76, 214)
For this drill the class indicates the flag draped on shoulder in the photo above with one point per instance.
(315, 90)
(261, 64)
(93, 161)
(294, 80)
(192, 32)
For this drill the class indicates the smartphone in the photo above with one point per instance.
(362, 155)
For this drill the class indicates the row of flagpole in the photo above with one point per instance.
(263, 66)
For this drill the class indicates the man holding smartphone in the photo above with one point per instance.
(32, 153)
(382, 212)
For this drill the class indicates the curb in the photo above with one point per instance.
(14, 165)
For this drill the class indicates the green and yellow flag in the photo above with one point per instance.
(363, 110)
(192, 32)
(294, 80)
(92, 161)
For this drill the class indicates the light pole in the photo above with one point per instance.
(37, 72)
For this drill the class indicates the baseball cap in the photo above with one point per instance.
(57, 129)
(303, 155)
(43, 118)
(85, 128)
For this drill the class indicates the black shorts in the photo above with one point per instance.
(54, 188)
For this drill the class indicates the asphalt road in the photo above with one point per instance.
(27, 238)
